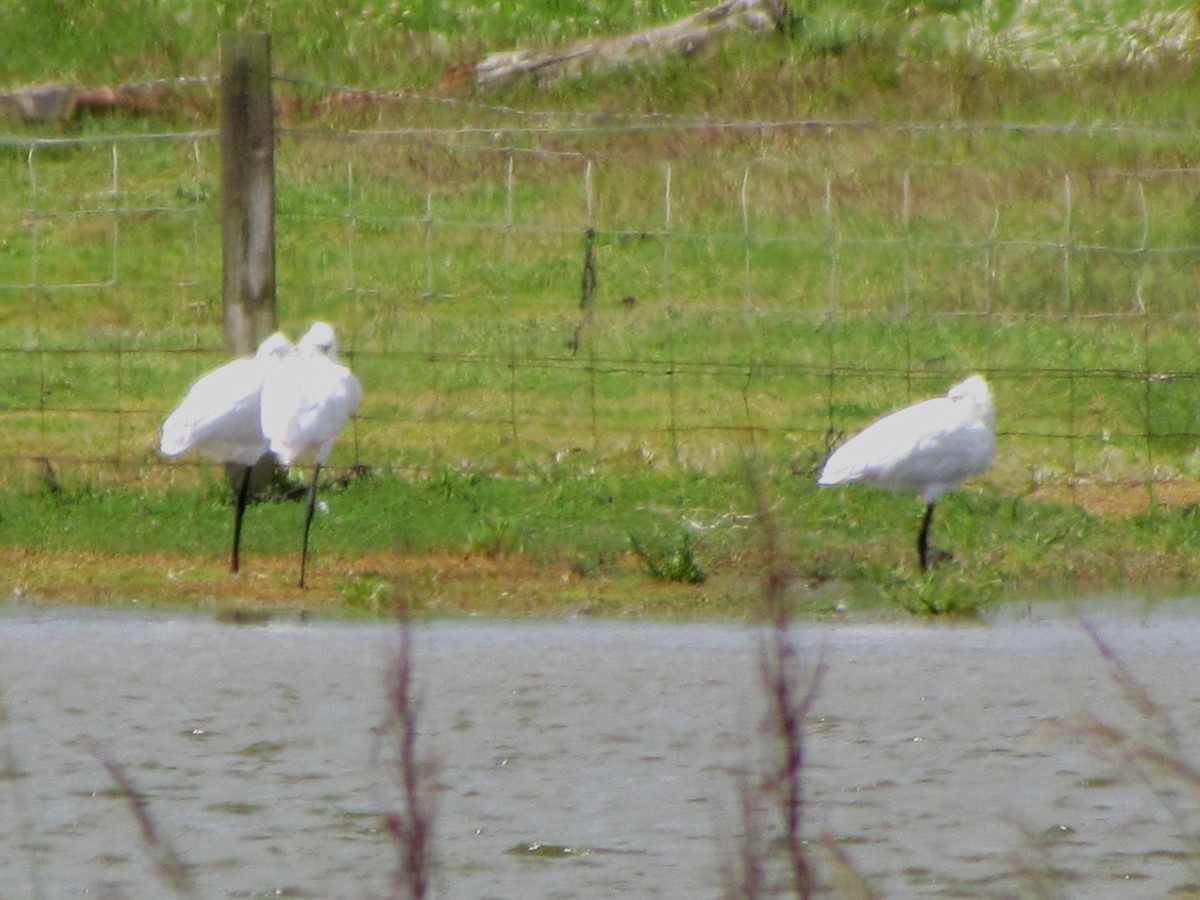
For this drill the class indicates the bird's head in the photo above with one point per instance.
(319, 339)
(975, 391)
(277, 346)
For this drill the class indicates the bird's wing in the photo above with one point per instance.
(221, 408)
(945, 457)
(931, 442)
(879, 446)
(305, 405)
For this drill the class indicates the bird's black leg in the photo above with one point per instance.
(923, 538)
(308, 514)
(239, 510)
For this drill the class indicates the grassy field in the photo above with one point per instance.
(892, 199)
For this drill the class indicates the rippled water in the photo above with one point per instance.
(938, 756)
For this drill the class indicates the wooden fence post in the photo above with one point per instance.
(247, 206)
(247, 191)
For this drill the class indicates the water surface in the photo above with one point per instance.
(943, 759)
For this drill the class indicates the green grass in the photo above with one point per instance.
(759, 290)
(628, 544)
(390, 43)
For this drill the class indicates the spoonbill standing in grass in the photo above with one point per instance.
(930, 447)
(221, 418)
(306, 400)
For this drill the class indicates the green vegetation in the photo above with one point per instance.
(95, 42)
(566, 542)
(1022, 203)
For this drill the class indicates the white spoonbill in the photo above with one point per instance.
(220, 417)
(930, 447)
(306, 400)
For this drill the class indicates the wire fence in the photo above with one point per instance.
(522, 290)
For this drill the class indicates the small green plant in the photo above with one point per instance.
(675, 563)
(368, 594)
(941, 592)
(494, 535)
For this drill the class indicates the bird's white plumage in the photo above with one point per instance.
(220, 416)
(930, 447)
(307, 398)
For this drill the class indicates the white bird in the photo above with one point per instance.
(220, 417)
(306, 400)
(930, 447)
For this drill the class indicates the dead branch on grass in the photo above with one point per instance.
(683, 37)
(65, 102)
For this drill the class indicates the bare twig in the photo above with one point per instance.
(411, 827)
(1135, 695)
(1033, 864)
(790, 693)
(851, 882)
(171, 868)
(1161, 755)
(10, 771)
(743, 871)
(790, 701)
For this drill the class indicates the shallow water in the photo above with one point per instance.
(938, 755)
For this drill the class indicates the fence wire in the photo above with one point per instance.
(522, 292)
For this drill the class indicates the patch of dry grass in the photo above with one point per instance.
(439, 584)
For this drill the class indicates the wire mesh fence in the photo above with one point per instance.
(521, 291)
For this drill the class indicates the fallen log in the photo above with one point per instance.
(61, 103)
(683, 37)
